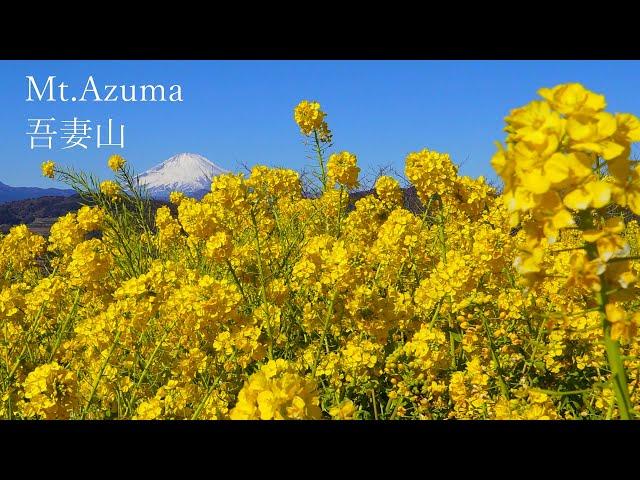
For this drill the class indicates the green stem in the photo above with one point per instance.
(618, 375)
(375, 408)
(318, 150)
(64, 326)
(324, 332)
(340, 210)
(236, 279)
(612, 347)
(566, 392)
(99, 377)
(452, 347)
(33, 328)
(623, 259)
(134, 390)
(501, 381)
(200, 406)
(263, 289)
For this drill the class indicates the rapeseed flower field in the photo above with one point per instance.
(259, 302)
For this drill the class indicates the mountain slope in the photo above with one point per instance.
(40, 213)
(48, 209)
(10, 194)
(26, 211)
(186, 172)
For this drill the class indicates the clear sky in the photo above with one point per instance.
(238, 112)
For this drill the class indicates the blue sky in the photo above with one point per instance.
(242, 111)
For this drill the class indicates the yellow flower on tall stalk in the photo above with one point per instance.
(388, 190)
(176, 198)
(310, 119)
(431, 173)
(558, 152)
(342, 168)
(90, 218)
(309, 116)
(116, 162)
(555, 145)
(110, 189)
(48, 168)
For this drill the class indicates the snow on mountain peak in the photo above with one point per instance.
(189, 173)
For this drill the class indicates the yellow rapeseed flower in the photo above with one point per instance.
(110, 189)
(116, 162)
(48, 168)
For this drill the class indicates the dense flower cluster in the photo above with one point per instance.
(436, 180)
(110, 189)
(342, 168)
(431, 173)
(116, 162)
(276, 392)
(259, 302)
(310, 119)
(48, 169)
(389, 191)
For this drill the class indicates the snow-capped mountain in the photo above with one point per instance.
(186, 172)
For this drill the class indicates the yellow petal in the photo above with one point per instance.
(625, 279)
(615, 313)
(595, 101)
(629, 125)
(600, 193)
(606, 124)
(611, 150)
(592, 235)
(580, 131)
(523, 199)
(530, 264)
(514, 219)
(556, 169)
(633, 201)
(266, 405)
(546, 93)
(578, 199)
(589, 147)
(580, 164)
(562, 219)
(535, 182)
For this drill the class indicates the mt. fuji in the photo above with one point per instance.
(186, 172)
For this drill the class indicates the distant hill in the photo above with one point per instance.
(411, 200)
(41, 213)
(9, 193)
(26, 211)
